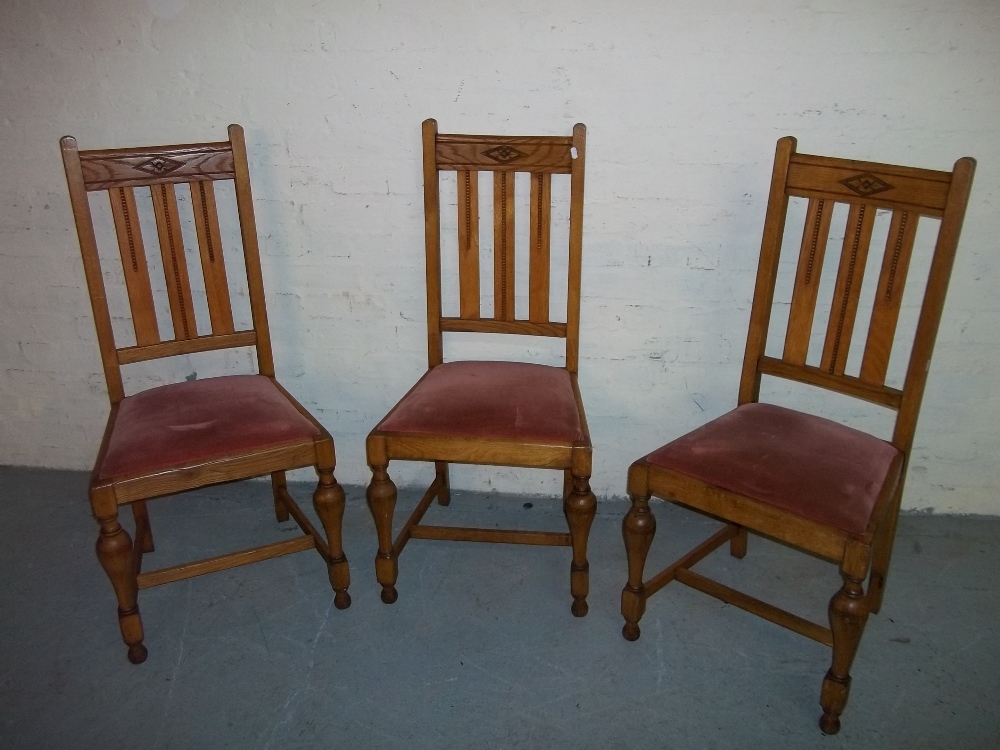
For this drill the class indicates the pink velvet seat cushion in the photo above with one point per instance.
(513, 400)
(801, 463)
(200, 420)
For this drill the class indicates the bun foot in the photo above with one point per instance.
(829, 724)
(389, 594)
(631, 631)
(341, 600)
(137, 654)
(579, 608)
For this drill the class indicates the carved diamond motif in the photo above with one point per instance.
(866, 184)
(159, 165)
(503, 154)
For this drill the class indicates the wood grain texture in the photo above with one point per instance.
(495, 536)
(224, 562)
(882, 185)
(888, 297)
(767, 271)
(132, 354)
(213, 263)
(756, 606)
(759, 517)
(481, 451)
(113, 168)
(578, 153)
(84, 222)
(134, 266)
(882, 395)
(168, 228)
(432, 242)
(521, 327)
(251, 251)
(847, 293)
(539, 238)
(503, 246)
(932, 304)
(468, 244)
(807, 277)
(508, 153)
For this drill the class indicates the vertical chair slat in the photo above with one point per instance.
(134, 266)
(857, 238)
(889, 297)
(468, 244)
(168, 228)
(503, 245)
(815, 234)
(540, 231)
(213, 266)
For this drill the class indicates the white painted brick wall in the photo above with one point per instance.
(683, 102)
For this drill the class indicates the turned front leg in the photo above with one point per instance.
(381, 496)
(114, 551)
(638, 529)
(328, 500)
(848, 616)
(580, 506)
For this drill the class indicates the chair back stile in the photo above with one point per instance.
(158, 170)
(503, 156)
(910, 194)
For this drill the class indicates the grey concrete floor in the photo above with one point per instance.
(481, 650)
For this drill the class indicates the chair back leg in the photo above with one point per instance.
(279, 486)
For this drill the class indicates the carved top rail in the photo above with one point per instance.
(881, 185)
(551, 154)
(111, 168)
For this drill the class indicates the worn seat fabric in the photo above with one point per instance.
(200, 420)
(514, 400)
(798, 462)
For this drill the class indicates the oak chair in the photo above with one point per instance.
(496, 413)
(185, 435)
(814, 484)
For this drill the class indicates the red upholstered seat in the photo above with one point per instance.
(801, 463)
(200, 420)
(513, 400)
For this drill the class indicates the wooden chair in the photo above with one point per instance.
(185, 435)
(811, 483)
(499, 413)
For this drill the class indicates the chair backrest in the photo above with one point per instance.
(909, 195)
(156, 170)
(541, 157)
